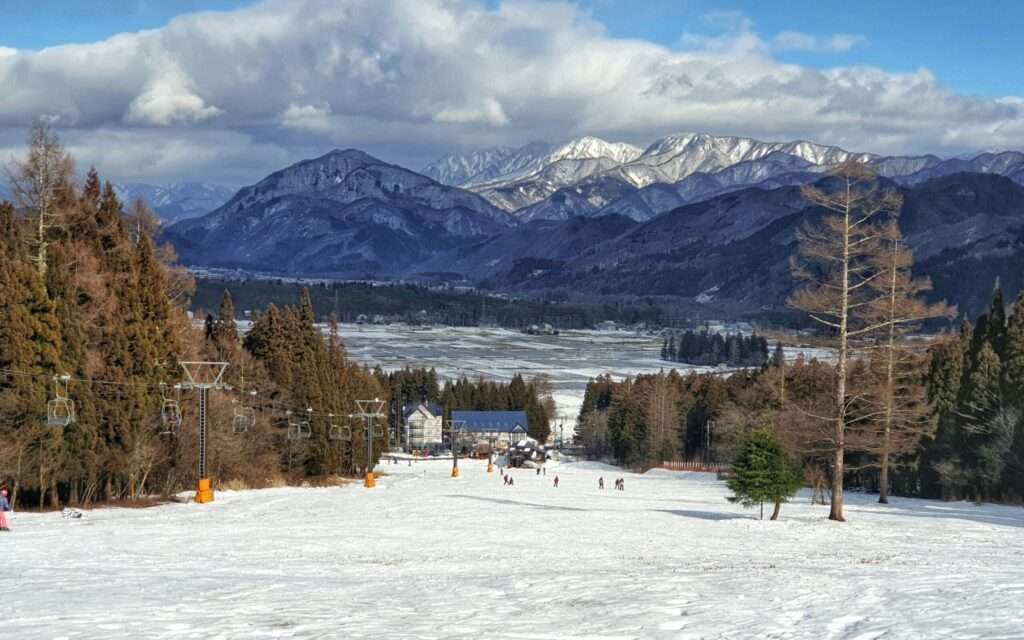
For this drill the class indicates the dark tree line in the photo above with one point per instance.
(704, 348)
(975, 385)
(417, 304)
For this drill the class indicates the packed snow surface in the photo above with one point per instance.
(426, 556)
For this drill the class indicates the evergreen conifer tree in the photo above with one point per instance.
(763, 472)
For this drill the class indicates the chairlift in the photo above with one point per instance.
(339, 432)
(245, 417)
(60, 411)
(170, 410)
(299, 430)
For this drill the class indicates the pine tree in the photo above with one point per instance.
(763, 472)
(988, 424)
(996, 329)
(1013, 369)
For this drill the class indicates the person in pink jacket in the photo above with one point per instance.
(5, 506)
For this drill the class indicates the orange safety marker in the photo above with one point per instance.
(205, 493)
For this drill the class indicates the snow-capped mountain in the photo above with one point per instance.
(344, 212)
(175, 201)
(618, 166)
(561, 166)
(458, 169)
(672, 158)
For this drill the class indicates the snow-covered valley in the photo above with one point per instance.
(426, 556)
(569, 360)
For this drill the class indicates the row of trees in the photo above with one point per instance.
(704, 348)
(869, 403)
(974, 385)
(88, 294)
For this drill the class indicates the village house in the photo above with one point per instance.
(423, 426)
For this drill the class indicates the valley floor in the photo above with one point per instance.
(427, 556)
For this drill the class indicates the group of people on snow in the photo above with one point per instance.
(620, 483)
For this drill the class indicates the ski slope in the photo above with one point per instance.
(425, 556)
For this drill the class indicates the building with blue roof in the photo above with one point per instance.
(507, 426)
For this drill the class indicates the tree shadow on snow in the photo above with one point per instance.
(1004, 515)
(518, 503)
(705, 515)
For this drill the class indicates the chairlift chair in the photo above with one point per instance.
(170, 411)
(299, 430)
(245, 418)
(60, 411)
(338, 431)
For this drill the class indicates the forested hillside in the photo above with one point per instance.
(92, 336)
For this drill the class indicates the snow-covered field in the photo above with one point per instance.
(425, 556)
(569, 360)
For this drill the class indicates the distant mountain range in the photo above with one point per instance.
(592, 177)
(171, 202)
(178, 201)
(701, 218)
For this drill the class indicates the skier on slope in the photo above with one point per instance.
(600, 483)
(556, 482)
(5, 506)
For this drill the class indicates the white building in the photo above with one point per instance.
(423, 426)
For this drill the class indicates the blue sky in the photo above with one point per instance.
(231, 89)
(974, 48)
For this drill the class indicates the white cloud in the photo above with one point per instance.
(410, 79)
(797, 41)
(485, 111)
(307, 117)
(168, 98)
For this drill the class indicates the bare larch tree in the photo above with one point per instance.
(903, 416)
(838, 261)
(37, 183)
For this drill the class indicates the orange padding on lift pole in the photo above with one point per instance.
(205, 493)
(370, 481)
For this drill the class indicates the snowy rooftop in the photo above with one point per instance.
(491, 421)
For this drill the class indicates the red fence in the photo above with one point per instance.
(707, 467)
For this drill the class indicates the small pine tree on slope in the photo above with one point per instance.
(763, 472)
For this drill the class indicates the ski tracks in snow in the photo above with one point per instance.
(424, 556)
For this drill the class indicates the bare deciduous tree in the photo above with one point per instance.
(905, 416)
(838, 261)
(37, 182)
